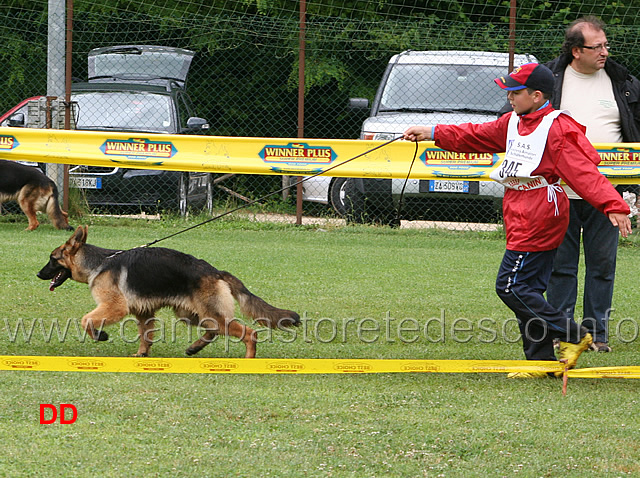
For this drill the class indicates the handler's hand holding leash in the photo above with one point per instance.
(418, 133)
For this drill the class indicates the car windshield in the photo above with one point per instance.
(140, 62)
(124, 110)
(443, 88)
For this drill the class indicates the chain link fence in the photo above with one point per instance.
(364, 75)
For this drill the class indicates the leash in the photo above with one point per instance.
(306, 178)
(406, 180)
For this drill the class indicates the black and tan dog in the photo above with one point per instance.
(33, 191)
(140, 281)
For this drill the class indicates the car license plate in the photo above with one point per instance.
(448, 186)
(85, 183)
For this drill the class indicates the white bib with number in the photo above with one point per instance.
(523, 155)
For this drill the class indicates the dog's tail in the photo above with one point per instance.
(254, 307)
(58, 217)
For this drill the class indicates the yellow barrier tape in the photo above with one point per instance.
(297, 366)
(268, 366)
(606, 372)
(289, 156)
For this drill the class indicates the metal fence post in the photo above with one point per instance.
(56, 73)
(301, 82)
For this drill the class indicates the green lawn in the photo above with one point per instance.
(365, 293)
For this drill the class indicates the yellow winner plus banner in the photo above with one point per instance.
(289, 156)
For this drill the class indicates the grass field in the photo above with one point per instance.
(344, 281)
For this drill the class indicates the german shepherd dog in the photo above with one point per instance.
(140, 281)
(33, 191)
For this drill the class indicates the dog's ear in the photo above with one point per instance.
(78, 238)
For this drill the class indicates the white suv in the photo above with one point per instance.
(423, 88)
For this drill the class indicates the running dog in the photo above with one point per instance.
(142, 280)
(33, 191)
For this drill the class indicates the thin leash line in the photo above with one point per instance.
(406, 180)
(306, 178)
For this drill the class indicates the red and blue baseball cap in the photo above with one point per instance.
(529, 75)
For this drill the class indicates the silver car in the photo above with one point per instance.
(423, 88)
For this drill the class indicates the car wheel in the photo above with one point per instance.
(337, 195)
(361, 209)
(183, 194)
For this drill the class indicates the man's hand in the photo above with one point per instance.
(418, 133)
(622, 222)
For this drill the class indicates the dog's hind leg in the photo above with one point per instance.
(145, 330)
(231, 328)
(58, 217)
(215, 303)
(244, 333)
(191, 318)
(211, 330)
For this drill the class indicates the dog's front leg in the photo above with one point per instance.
(30, 212)
(102, 316)
(27, 200)
(145, 331)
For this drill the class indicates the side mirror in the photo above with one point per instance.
(17, 120)
(196, 124)
(359, 104)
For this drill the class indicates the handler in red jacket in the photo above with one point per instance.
(541, 146)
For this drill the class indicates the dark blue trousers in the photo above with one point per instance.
(521, 283)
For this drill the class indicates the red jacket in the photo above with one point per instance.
(530, 219)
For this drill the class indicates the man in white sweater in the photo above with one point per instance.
(603, 96)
